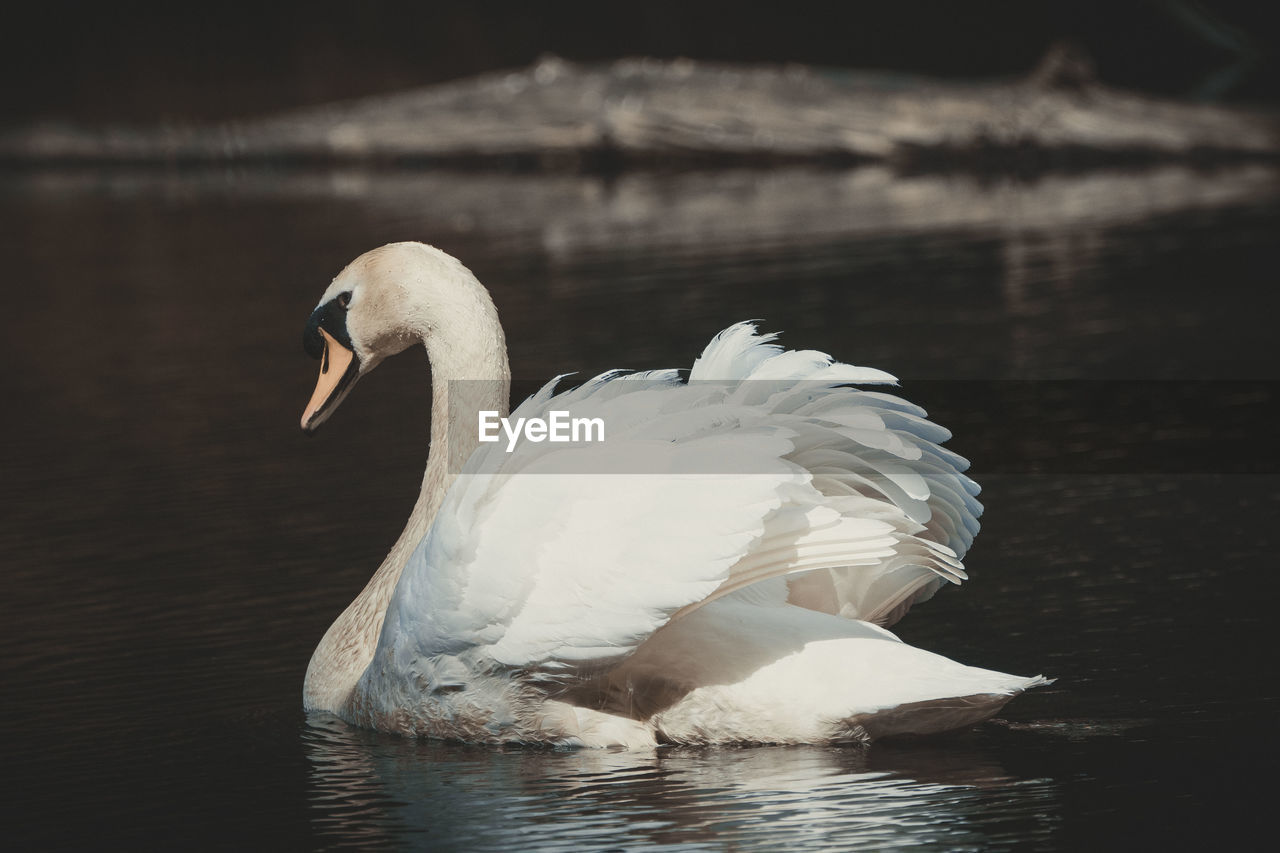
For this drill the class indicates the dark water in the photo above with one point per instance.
(172, 548)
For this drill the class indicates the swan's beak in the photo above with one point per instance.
(339, 369)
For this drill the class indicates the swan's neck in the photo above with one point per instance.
(470, 373)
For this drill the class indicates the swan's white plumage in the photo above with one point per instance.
(764, 467)
(719, 569)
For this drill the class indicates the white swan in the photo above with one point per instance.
(734, 592)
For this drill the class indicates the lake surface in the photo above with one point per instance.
(1102, 345)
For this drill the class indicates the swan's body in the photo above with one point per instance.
(716, 571)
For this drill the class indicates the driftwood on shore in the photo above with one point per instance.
(559, 114)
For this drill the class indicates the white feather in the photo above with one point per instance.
(567, 560)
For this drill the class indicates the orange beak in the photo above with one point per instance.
(338, 369)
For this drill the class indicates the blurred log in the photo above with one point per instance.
(563, 115)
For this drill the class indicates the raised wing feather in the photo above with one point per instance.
(763, 469)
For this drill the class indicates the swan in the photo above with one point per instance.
(722, 568)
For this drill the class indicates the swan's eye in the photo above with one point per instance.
(344, 299)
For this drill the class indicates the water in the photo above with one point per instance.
(172, 547)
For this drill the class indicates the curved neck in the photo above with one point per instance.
(469, 372)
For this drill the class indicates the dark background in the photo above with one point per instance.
(164, 61)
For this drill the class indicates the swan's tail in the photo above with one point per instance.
(734, 672)
(934, 716)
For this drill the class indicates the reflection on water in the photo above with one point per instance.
(1101, 275)
(169, 561)
(385, 790)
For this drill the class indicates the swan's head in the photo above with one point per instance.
(385, 301)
